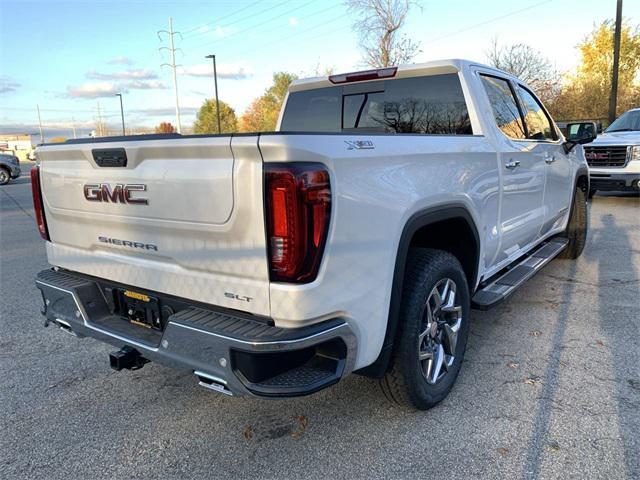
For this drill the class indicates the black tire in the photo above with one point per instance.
(5, 176)
(406, 383)
(592, 193)
(577, 227)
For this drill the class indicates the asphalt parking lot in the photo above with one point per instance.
(550, 388)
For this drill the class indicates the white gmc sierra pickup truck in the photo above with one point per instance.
(614, 157)
(355, 238)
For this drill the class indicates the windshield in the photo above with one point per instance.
(629, 121)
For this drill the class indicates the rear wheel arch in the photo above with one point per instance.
(457, 229)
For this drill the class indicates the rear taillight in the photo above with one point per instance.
(37, 202)
(298, 206)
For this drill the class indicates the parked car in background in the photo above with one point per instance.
(9, 167)
(355, 238)
(614, 156)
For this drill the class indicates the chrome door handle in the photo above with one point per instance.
(550, 159)
(512, 164)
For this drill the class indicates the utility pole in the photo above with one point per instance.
(40, 125)
(613, 99)
(173, 66)
(100, 125)
(121, 113)
(215, 82)
(73, 127)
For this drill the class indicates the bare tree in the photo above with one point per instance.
(378, 25)
(528, 65)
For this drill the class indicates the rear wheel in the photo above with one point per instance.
(5, 176)
(432, 332)
(577, 227)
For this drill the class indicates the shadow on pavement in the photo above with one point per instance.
(619, 322)
(551, 378)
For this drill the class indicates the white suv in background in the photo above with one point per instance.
(614, 157)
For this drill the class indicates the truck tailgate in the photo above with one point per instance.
(199, 234)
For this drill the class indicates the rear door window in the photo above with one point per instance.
(425, 105)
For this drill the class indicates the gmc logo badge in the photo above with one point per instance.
(121, 193)
(597, 156)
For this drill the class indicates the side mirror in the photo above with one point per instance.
(580, 133)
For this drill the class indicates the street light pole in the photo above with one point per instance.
(40, 124)
(121, 113)
(613, 99)
(215, 82)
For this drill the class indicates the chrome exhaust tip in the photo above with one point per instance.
(212, 383)
(64, 326)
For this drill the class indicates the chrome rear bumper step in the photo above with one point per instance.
(500, 287)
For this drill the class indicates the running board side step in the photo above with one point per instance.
(499, 288)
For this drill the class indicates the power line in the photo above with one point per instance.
(252, 27)
(304, 32)
(219, 19)
(273, 7)
(173, 66)
(471, 27)
(263, 32)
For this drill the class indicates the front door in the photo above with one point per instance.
(559, 180)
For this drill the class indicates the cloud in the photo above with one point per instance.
(222, 32)
(120, 61)
(123, 75)
(218, 31)
(50, 129)
(293, 21)
(231, 71)
(109, 89)
(93, 90)
(7, 84)
(145, 85)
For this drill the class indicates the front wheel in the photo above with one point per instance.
(5, 176)
(432, 331)
(577, 227)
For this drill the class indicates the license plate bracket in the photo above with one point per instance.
(138, 308)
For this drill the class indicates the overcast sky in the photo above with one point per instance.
(67, 56)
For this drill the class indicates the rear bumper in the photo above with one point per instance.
(228, 352)
(614, 181)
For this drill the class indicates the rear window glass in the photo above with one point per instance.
(428, 105)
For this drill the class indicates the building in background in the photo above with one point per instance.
(21, 144)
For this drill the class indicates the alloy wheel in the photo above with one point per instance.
(441, 322)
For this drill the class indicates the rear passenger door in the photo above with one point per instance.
(545, 141)
(522, 168)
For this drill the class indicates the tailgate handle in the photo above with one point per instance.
(110, 157)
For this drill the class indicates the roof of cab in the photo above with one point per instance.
(434, 67)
